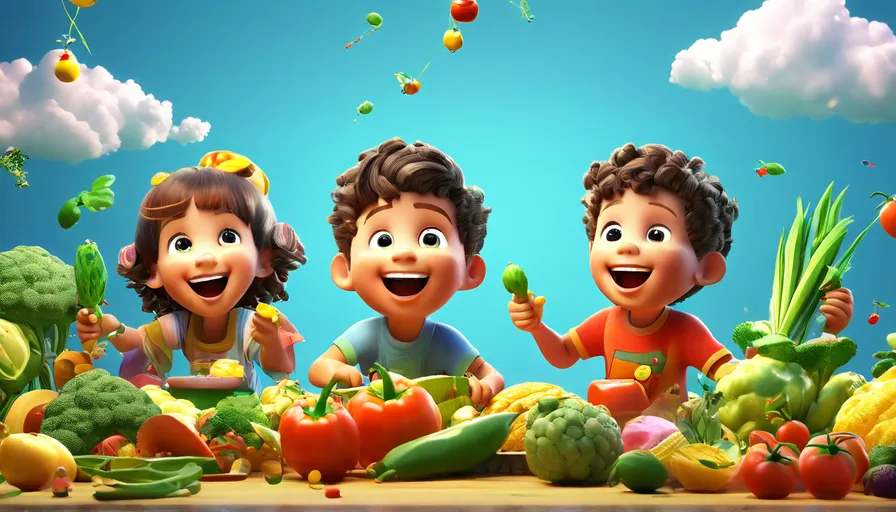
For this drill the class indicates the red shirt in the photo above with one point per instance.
(674, 342)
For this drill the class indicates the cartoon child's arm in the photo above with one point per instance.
(274, 356)
(485, 381)
(90, 330)
(562, 351)
(332, 364)
(357, 343)
(703, 352)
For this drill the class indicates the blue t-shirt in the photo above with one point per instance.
(439, 349)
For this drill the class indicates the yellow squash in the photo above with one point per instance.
(870, 412)
(685, 466)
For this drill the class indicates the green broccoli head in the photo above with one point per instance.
(824, 355)
(567, 442)
(746, 333)
(93, 406)
(37, 289)
(236, 414)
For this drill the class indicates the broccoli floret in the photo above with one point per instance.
(746, 333)
(824, 355)
(236, 415)
(93, 406)
(567, 442)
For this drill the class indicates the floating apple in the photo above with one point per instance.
(453, 40)
(464, 11)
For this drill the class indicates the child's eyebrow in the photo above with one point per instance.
(377, 210)
(427, 206)
(611, 203)
(664, 207)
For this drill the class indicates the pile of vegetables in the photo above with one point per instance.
(182, 409)
(37, 302)
(277, 399)
(796, 375)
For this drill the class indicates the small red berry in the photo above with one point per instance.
(332, 492)
(64, 56)
(873, 318)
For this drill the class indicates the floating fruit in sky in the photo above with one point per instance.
(887, 213)
(453, 40)
(410, 85)
(83, 4)
(363, 109)
(375, 21)
(464, 11)
(875, 316)
(764, 169)
(67, 69)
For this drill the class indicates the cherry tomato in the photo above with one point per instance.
(762, 437)
(888, 214)
(826, 467)
(464, 11)
(795, 433)
(770, 475)
(873, 318)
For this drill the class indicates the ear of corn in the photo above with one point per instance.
(668, 446)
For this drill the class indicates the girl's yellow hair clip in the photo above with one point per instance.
(230, 162)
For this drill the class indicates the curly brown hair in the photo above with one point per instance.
(211, 189)
(395, 167)
(709, 214)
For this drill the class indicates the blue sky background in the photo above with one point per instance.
(524, 108)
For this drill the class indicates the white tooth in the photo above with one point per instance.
(205, 279)
(397, 275)
(629, 269)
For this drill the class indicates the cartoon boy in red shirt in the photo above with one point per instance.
(659, 229)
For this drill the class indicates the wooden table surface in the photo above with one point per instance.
(497, 493)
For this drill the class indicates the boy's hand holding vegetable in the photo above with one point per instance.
(525, 308)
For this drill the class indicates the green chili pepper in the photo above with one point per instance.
(456, 449)
(174, 484)
(90, 277)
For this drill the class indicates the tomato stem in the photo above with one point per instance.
(888, 198)
(831, 447)
(776, 456)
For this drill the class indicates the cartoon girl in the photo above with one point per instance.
(208, 249)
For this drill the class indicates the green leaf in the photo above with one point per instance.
(775, 305)
(730, 449)
(687, 431)
(712, 465)
(98, 200)
(836, 207)
(820, 218)
(882, 305)
(793, 263)
(713, 431)
(890, 354)
(103, 182)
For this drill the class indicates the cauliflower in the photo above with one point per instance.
(94, 406)
(568, 442)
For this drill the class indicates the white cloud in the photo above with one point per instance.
(190, 130)
(799, 58)
(86, 119)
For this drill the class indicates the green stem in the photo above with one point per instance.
(388, 384)
(775, 454)
(888, 198)
(322, 407)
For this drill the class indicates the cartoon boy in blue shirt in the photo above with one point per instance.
(409, 234)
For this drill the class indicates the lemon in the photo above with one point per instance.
(67, 71)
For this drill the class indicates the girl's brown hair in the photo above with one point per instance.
(209, 189)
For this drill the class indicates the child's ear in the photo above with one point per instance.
(154, 281)
(475, 273)
(711, 269)
(340, 273)
(264, 264)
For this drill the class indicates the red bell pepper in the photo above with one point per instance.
(324, 438)
(389, 417)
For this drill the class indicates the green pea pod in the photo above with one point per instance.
(515, 281)
(172, 485)
(90, 277)
(456, 449)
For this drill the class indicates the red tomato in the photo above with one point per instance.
(770, 475)
(762, 437)
(887, 214)
(464, 11)
(829, 472)
(795, 433)
(325, 438)
(391, 417)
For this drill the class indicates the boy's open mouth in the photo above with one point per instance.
(630, 278)
(405, 285)
(209, 287)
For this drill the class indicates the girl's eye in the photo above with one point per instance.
(381, 240)
(658, 234)
(229, 237)
(432, 237)
(611, 233)
(180, 244)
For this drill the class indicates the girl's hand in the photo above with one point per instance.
(89, 330)
(837, 310)
(264, 331)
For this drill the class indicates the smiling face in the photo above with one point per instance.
(407, 258)
(207, 261)
(641, 257)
